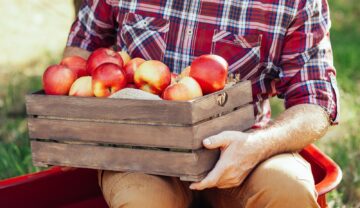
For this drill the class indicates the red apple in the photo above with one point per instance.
(108, 79)
(185, 72)
(174, 78)
(57, 80)
(125, 56)
(82, 87)
(152, 76)
(210, 71)
(101, 56)
(131, 67)
(75, 63)
(186, 89)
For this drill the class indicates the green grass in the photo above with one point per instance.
(15, 154)
(346, 49)
(348, 157)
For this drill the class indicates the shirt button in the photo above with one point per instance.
(189, 32)
(145, 23)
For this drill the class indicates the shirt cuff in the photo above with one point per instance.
(318, 92)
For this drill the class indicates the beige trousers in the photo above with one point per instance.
(284, 180)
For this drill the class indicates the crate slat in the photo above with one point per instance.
(207, 106)
(155, 111)
(182, 137)
(108, 109)
(189, 166)
(114, 133)
(238, 120)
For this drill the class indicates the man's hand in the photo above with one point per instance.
(293, 130)
(240, 153)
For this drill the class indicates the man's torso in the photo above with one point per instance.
(248, 34)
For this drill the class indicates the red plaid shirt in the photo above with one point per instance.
(282, 46)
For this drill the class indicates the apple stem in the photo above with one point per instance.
(110, 90)
(237, 77)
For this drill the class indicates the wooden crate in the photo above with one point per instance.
(152, 136)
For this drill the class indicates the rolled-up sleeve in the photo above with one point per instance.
(307, 73)
(95, 26)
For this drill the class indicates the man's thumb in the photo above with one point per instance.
(216, 141)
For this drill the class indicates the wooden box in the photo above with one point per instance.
(152, 136)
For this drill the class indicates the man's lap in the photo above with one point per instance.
(280, 179)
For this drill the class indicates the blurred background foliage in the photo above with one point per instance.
(34, 34)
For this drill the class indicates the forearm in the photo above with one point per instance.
(293, 130)
(75, 51)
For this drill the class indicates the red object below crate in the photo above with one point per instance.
(78, 188)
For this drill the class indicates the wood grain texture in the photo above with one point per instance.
(182, 137)
(153, 111)
(207, 106)
(108, 109)
(239, 120)
(193, 165)
(76, 131)
(111, 133)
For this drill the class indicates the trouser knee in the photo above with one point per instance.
(131, 190)
(283, 181)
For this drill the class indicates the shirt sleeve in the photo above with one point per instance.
(307, 74)
(94, 27)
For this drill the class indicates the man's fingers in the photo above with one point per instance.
(216, 141)
(211, 179)
(205, 183)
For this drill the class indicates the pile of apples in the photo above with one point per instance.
(106, 72)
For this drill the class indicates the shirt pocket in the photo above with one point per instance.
(241, 52)
(144, 37)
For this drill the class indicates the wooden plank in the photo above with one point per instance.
(239, 120)
(207, 106)
(182, 137)
(114, 133)
(153, 111)
(123, 159)
(109, 109)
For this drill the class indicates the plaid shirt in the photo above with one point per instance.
(282, 46)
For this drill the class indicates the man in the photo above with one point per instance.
(282, 46)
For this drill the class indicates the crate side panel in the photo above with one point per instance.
(238, 120)
(206, 162)
(117, 159)
(207, 106)
(112, 133)
(109, 109)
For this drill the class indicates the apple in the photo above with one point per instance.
(185, 72)
(107, 79)
(57, 80)
(174, 78)
(186, 89)
(210, 71)
(152, 76)
(131, 67)
(82, 87)
(125, 56)
(75, 63)
(101, 56)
